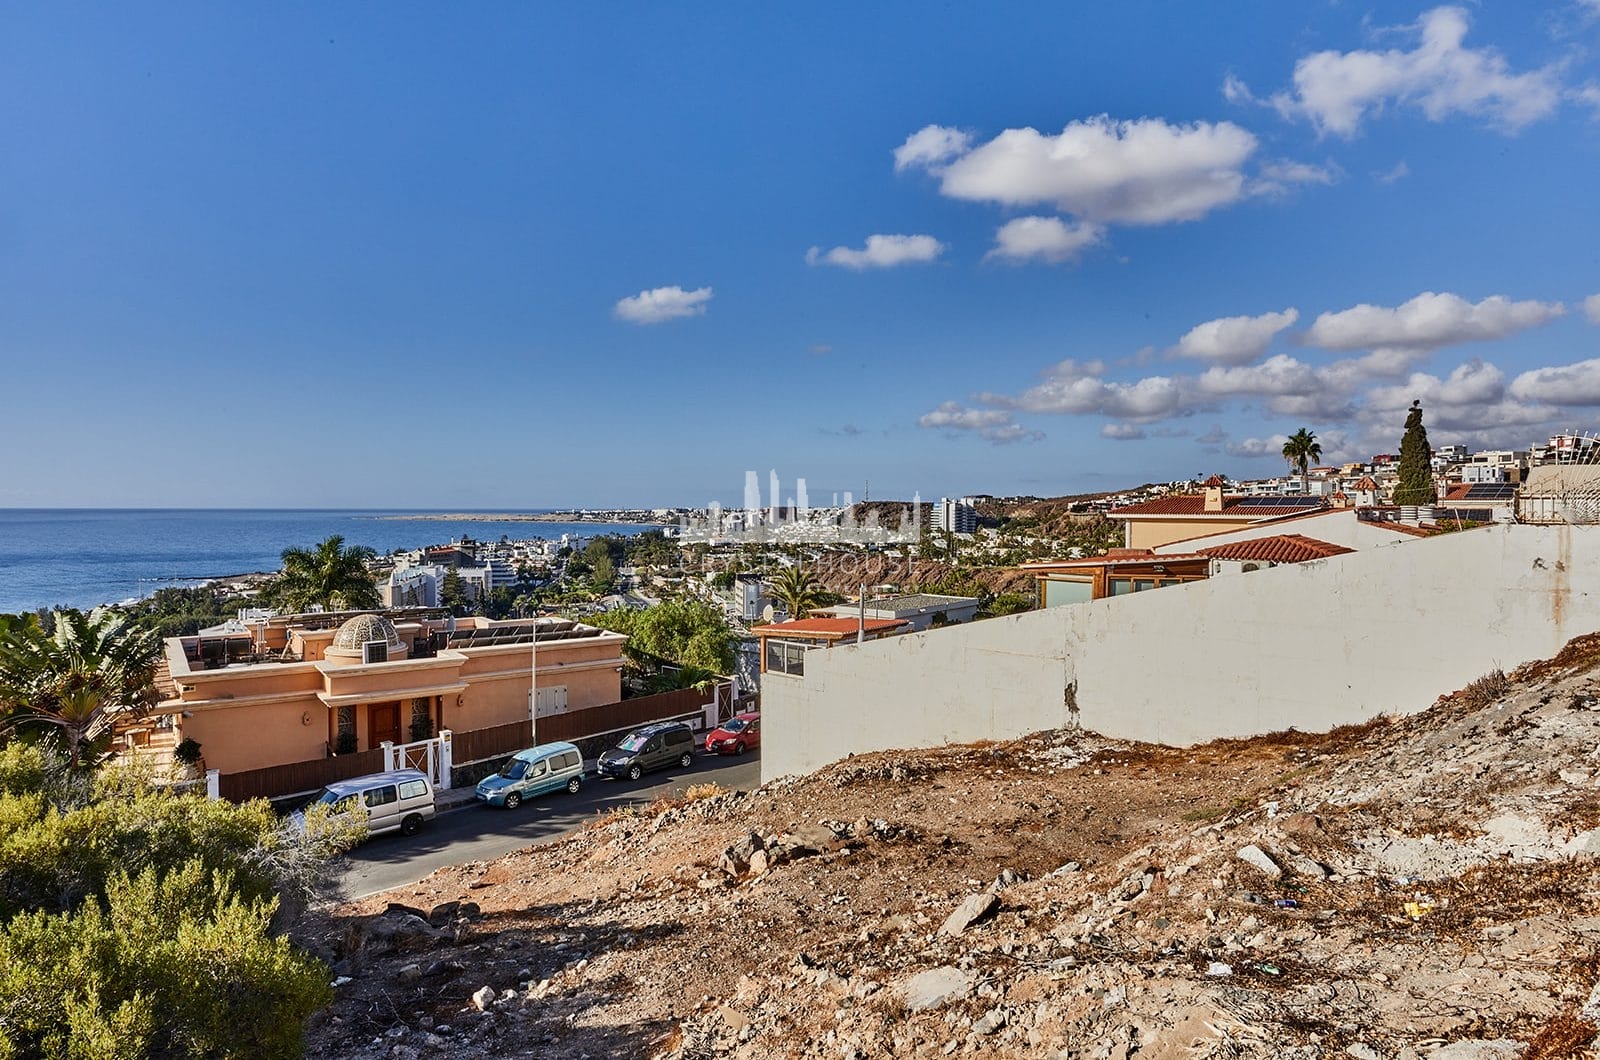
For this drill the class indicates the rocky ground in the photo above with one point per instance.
(1415, 887)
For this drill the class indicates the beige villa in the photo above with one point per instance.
(1178, 517)
(296, 688)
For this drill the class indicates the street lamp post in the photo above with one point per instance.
(533, 684)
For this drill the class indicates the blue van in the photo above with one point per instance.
(548, 767)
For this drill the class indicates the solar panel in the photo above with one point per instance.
(1492, 491)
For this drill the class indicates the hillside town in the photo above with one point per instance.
(786, 532)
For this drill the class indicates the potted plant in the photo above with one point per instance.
(188, 758)
(345, 744)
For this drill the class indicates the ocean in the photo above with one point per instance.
(80, 557)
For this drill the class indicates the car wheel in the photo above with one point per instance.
(739, 748)
(634, 773)
(573, 785)
(687, 760)
(411, 825)
(513, 800)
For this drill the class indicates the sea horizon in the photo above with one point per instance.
(86, 557)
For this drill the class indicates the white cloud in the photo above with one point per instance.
(1122, 432)
(930, 147)
(994, 425)
(1472, 383)
(1587, 95)
(952, 416)
(881, 252)
(1074, 388)
(1275, 178)
(1141, 172)
(1048, 238)
(1280, 374)
(1337, 90)
(1391, 176)
(1428, 322)
(1591, 305)
(662, 304)
(1236, 91)
(1250, 448)
(1234, 340)
(1011, 432)
(1567, 384)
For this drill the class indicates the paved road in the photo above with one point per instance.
(475, 832)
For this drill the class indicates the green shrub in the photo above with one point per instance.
(174, 965)
(142, 922)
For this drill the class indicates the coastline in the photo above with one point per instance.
(615, 517)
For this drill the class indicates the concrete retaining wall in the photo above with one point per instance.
(1307, 646)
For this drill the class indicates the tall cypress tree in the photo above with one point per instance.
(1416, 462)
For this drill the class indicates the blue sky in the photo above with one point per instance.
(532, 255)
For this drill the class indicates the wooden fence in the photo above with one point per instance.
(475, 745)
(591, 721)
(296, 777)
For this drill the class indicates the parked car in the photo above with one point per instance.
(652, 747)
(735, 736)
(397, 801)
(548, 767)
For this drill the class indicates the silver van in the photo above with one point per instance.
(397, 801)
(548, 767)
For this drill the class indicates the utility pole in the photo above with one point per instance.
(533, 684)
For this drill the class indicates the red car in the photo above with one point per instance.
(736, 735)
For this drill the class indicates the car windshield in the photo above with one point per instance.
(328, 797)
(515, 769)
(736, 725)
(632, 744)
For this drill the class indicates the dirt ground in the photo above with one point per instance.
(1411, 887)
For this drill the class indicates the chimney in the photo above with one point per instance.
(1213, 498)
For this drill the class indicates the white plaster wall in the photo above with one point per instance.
(1308, 646)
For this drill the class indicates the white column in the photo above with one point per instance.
(446, 759)
(388, 755)
(213, 784)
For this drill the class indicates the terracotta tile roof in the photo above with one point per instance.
(1195, 504)
(1113, 559)
(1284, 548)
(1459, 492)
(1365, 483)
(827, 628)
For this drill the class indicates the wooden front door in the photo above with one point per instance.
(385, 723)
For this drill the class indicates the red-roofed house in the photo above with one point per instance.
(1119, 571)
(1176, 518)
(1271, 551)
(1133, 570)
(784, 644)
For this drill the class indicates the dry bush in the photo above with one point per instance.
(1579, 653)
(1566, 1036)
(698, 792)
(1485, 691)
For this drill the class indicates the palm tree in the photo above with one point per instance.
(332, 575)
(1300, 450)
(79, 679)
(797, 590)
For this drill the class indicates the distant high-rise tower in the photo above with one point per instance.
(752, 498)
(955, 516)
